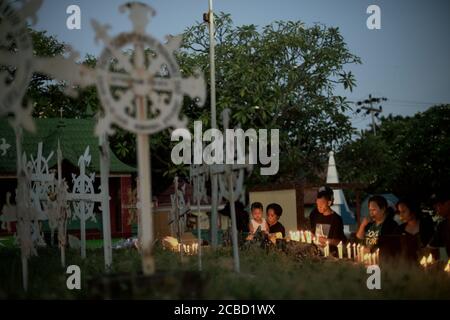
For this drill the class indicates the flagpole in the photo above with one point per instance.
(214, 182)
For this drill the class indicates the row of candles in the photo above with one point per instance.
(354, 251)
(429, 260)
(189, 249)
(303, 236)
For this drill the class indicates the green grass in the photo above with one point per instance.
(264, 275)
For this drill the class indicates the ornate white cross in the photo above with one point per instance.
(83, 197)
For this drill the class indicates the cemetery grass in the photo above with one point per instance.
(264, 275)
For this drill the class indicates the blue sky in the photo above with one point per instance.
(407, 60)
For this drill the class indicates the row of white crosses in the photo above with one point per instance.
(46, 198)
(143, 93)
(50, 197)
(231, 186)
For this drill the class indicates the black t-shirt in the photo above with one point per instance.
(277, 227)
(385, 236)
(330, 226)
(441, 237)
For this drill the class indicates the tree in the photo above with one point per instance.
(280, 76)
(409, 156)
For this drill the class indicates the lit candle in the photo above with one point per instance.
(308, 237)
(340, 251)
(354, 251)
(358, 252)
(447, 268)
(374, 258)
(430, 259)
(423, 261)
(369, 257)
(378, 255)
(327, 249)
(302, 236)
(349, 250)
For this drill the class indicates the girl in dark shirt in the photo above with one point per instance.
(416, 228)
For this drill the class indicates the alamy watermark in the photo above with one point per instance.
(73, 21)
(235, 147)
(74, 279)
(374, 20)
(374, 280)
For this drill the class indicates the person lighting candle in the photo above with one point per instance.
(273, 213)
(326, 224)
(379, 230)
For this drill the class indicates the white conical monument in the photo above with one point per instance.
(340, 205)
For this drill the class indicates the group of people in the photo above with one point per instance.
(271, 226)
(379, 230)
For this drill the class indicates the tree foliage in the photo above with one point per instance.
(280, 76)
(409, 156)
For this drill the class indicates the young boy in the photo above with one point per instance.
(257, 220)
(326, 224)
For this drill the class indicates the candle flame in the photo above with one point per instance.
(423, 261)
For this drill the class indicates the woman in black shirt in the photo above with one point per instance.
(273, 212)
